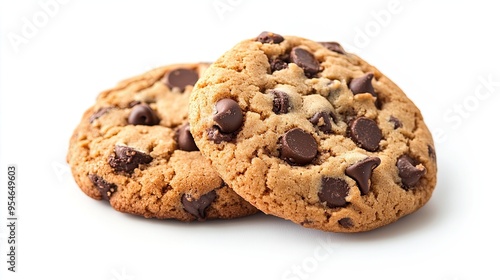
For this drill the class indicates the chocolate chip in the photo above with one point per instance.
(281, 103)
(126, 159)
(185, 139)
(431, 152)
(105, 188)
(101, 112)
(197, 207)
(270, 38)
(278, 64)
(346, 222)
(218, 137)
(362, 84)
(298, 147)
(397, 123)
(333, 191)
(180, 78)
(365, 133)
(324, 121)
(165, 189)
(305, 60)
(334, 47)
(142, 114)
(409, 171)
(361, 172)
(229, 116)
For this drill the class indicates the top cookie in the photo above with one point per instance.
(310, 133)
(134, 148)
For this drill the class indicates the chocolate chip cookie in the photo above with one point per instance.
(308, 132)
(134, 149)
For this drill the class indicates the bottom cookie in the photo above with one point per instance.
(134, 148)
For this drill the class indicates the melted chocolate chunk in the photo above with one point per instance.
(409, 171)
(365, 133)
(101, 112)
(334, 47)
(180, 78)
(126, 159)
(278, 64)
(431, 152)
(142, 114)
(362, 84)
(298, 147)
(333, 191)
(229, 116)
(269, 38)
(218, 137)
(281, 103)
(105, 188)
(361, 172)
(197, 207)
(346, 222)
(185, 140)
(324, 121)
(305, 60)
(397, 123)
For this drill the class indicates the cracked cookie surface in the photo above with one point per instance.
(134, 148)
(308, 132)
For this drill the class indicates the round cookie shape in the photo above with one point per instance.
(134, 149)
(325, 139)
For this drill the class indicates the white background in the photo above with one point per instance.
(57, 56)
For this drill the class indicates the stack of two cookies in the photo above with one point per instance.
(292, 127)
